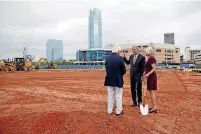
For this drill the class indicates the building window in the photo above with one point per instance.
(158, 50)
(168, 51)
(176, 51)
(125, 51)
(168, 58)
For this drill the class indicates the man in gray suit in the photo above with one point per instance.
(137, 66)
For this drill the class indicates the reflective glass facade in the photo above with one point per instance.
(95, 29)
(92, 55)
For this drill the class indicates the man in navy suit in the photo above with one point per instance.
(115, 70)
(137, 67)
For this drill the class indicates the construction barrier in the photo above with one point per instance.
(78, 66)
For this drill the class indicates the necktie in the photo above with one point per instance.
(134, 60)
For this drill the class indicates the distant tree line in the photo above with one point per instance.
(64, 62)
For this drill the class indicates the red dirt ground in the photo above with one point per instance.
(76, 102)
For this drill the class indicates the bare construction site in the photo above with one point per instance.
(61, 102)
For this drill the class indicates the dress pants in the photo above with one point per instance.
(115, 95)
(136, 89)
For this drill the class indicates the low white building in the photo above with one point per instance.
(197, 58)
(190, 53)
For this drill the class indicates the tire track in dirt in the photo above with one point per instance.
(180, 80)
(192, 82)
(180, 118)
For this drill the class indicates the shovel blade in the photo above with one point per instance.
(144, 109)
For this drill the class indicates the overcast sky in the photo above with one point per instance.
(33, 23)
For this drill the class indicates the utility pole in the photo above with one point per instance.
(129, 41)
(24, 53)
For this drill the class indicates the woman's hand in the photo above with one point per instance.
(143, 78)
(147, 75)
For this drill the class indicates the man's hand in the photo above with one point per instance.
(125, 60)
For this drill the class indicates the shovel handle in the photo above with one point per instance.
(143, 92)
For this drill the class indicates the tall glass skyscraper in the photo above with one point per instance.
(95, 29)
(54, 50)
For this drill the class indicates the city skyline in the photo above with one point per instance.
(138, 21)
(95, 29)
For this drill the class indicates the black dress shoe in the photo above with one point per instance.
(153, 111)
(135, 105)
(122, 112)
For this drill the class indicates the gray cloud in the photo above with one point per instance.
(33, 23)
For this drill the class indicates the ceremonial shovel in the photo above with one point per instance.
(144, 107)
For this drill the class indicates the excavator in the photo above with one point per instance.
(50, 65)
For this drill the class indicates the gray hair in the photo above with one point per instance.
(135, 47)
(149, 51)
(116, 49)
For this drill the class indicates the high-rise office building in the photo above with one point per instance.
(54, 50)
(95, 29)
(169, 38)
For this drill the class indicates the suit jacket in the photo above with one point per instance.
(136, 70)
(115, 70)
